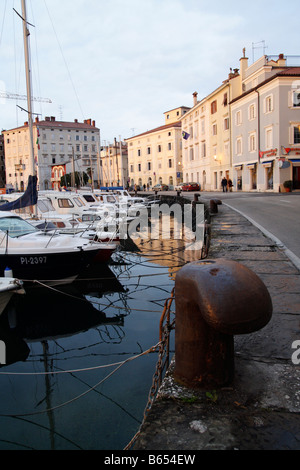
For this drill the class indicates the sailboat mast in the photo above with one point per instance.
(26, 35)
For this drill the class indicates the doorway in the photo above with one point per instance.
(296, 177)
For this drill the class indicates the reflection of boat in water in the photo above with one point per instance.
(46, 313)
(8, 287)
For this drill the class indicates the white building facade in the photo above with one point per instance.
(57, 144)
(265, 127)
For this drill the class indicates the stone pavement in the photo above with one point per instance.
(261, 410)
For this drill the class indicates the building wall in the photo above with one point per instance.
(258, 161)
(156, 156)
(55, 143)
(114, 165)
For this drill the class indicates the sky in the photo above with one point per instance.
(124, 63)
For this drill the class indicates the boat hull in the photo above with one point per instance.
(47, 267)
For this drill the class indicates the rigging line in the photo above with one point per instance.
(81, 370)
(47, 429)
(27, 22)
(3, 21)
(152, 349)
(59, 45)
(37, 60)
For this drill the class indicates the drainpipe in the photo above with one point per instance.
(258, 122)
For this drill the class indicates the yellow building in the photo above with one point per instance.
(155, 156)
(206, 136)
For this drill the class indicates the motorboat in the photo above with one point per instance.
(86, 223)
(8, 287)
(46, 256)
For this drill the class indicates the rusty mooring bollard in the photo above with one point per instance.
(215, 300)
(213, 205)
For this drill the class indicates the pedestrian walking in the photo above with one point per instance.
(224, 184)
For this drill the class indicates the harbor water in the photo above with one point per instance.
(78, 370)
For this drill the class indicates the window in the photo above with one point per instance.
(139, 167)
(149, 166)
(170, 162)
(269, 137)
(202, 126)
(225, 99)
(65, 203)
(252, 112)
(238, 118)
(148, 150)
(252, 142)
(226, 124)
(131, 168)
(268, 104)
(214, 129)
(238, 146)
(203, 149)
(139, 152)
(213, 107)
(169, 146)
(296, 135)
(159, 148)
(191, 153)
(296, 98)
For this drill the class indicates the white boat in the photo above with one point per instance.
(8, 287)
(35, 255)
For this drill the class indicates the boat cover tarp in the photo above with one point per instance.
(29, 198)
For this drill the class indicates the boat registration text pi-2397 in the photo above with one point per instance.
(33, 259)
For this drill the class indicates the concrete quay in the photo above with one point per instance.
(261, 409)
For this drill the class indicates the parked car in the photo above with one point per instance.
(178, 187)
(191, 187)
(160, 187)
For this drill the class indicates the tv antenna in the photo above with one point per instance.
(258, 45)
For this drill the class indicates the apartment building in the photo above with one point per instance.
(57, 145)
(155, 156)
(2, 165)
(266, 126)
(114, 164)
(247, 130)
(207, 137)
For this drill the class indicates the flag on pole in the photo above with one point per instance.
(185, 135)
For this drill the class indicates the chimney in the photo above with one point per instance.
(281, 61)
(76, 120)
(243, 64)
(52, 119)
(89, 122)
(195, 94)
(94, 123)
(47, 118)
(37, 119)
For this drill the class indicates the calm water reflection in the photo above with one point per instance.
(63, 387)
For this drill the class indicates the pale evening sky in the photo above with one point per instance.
(123, 63)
